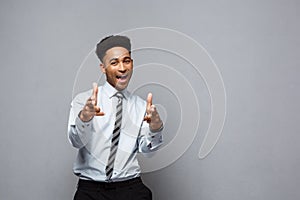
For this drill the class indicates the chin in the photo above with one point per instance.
(121, 87)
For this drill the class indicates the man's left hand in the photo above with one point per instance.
(152, 116)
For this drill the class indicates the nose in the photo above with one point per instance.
(122, 68)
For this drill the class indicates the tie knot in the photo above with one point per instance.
(119, 95)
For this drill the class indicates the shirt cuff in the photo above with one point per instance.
(155, 132)
(154, 140)
(83, 127)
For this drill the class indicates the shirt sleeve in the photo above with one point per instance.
(79, 132)
(149, 141)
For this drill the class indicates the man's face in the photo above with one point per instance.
(117, 66)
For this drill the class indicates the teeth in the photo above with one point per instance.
(122, 77)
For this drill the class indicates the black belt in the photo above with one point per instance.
(96, 184)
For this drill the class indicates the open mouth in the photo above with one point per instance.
(122, 77)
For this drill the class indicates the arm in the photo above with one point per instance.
(150, 134)
(80, 126)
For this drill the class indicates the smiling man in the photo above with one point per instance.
(109, 126)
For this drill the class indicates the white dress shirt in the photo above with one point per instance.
(93, 138)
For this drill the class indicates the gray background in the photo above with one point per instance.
(255, 44)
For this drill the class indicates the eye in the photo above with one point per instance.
(114, 63)
(127, 61)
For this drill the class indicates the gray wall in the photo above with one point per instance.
(255, 44)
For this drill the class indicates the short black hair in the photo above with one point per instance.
(110, 42)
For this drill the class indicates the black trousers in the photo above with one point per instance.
(132, 189)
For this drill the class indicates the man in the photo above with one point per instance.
(109, 126)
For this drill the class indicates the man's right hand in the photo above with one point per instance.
(90, 108)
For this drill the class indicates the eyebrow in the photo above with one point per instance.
(118, 59)
(113, 59)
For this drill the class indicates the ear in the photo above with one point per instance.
(102, 67)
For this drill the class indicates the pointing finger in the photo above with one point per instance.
(95, 93)
(149, 100)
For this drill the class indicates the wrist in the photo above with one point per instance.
(83, 117)
(157, 128)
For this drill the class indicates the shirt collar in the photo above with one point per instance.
(111, 91)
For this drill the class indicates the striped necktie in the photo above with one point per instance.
(115, 137)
